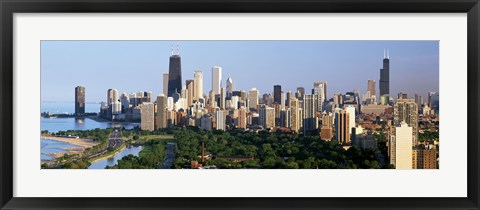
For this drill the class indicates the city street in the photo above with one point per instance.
(169, 156)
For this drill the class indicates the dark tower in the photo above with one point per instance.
(174, 74)
(277, 91)
(385, 76)
(79, 100)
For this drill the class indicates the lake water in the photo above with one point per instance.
(49, 146)
(111, 161)
(63, 124)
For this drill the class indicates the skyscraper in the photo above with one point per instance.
(216, 79)
(372, 88)
(147, 116)
(222, 98)
(125, 102)
(190, 91)
(79, 100)
(174, 74)
(229, 87)
(161, 112)
(242, 118)
(401, 147)
(385, 76)
(165, 83)
(295, 115)
(220, 119)
(310, 119)
(320, 89)
(112, 96)
(406, 110)
(277, 90)
(342, 126)
(300, 92)
(253, 99)
(267, 117)
(198, 85)
(351, 112)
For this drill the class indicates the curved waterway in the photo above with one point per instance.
(111, 161)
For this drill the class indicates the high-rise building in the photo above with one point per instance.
(229, 87)
(112, 95)
(216, 79)
(242, 118)
(267, 117)
(285, 116)
(342, 126)
(372, 87)
(400, 147)
(327, 127)
(310, 121)
(190, 92)
(337, 101)
(206, 123)
(295, 115)
(125, 102)
(79, 100)
(147, 121)
(174, 74)
(253, 99)
(300, 92)
(351, 112)
(320, 90)
(220, 119)
(406, 110)
(222, 98)
(402, 96)
(282, 100)
(385, 76)
(425, 157)
(277, 90)
(161, 112)
(165, 83)
(433, 101)
(198, 85)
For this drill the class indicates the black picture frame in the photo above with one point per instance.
(9, 7)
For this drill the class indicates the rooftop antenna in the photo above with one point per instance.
(384, 54)
(178, 49)
(172, 48)
(388, 56)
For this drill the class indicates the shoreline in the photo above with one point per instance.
(84, 143)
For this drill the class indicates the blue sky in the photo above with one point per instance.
(132, 66)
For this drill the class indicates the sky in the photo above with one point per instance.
(132, 66)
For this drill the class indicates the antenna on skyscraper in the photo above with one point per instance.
(388, 54)
(172, 48)
(384, 54)
(178, 48)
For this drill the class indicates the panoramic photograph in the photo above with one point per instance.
(288, 104)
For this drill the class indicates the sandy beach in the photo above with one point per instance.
(85, 143)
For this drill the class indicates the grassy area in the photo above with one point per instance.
(166, 138)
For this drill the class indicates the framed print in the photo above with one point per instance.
(239, 105)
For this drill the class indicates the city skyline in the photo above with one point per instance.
(422, 64)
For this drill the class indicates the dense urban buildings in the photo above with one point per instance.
(399, 129)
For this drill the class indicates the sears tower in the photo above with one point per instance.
(174, 74)
(385, 75)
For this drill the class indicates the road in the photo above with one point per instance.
(169, 156)
(115, 141)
